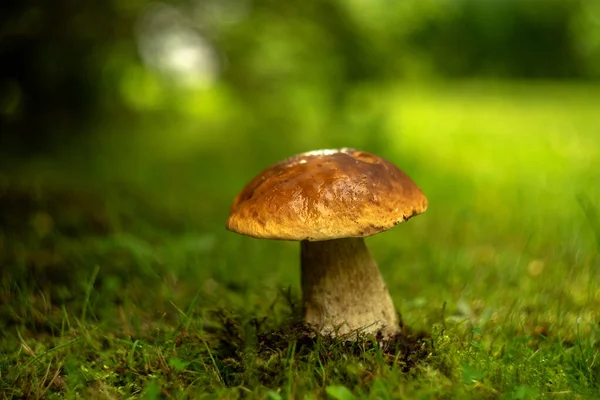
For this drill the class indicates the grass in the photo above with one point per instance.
(119, 280)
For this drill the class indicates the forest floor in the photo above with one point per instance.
(118, 277)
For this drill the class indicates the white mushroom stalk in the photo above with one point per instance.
(344, 293)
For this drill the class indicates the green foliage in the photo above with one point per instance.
(339, 393)
(249, 60)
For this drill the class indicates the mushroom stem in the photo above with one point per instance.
(343, 290)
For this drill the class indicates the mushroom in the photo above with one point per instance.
(329, 200)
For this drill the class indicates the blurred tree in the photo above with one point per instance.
(289, 66)
(52, 61)
(509, 38)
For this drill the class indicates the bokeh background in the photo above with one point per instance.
(191, 76)
(493, 107)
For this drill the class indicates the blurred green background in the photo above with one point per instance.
(491, 106)
(189, 76)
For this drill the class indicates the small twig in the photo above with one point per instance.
(56, 374)
(25, 346)
(41, 384)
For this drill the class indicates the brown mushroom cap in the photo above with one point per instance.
(326, 194)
